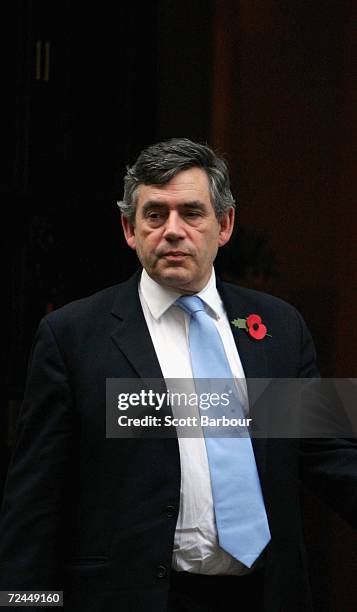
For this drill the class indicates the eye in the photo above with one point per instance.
(192, 216)
(155, 218)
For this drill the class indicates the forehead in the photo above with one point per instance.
(187, 186)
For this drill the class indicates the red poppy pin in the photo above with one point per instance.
(253, 325)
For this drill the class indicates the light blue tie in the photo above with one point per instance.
(241, 520)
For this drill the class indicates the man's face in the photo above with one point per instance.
(176, 233)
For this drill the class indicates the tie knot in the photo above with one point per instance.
(190, 303)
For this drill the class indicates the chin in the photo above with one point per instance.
(178, 278)
(174, 280)
(181, 284)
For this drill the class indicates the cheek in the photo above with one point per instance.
(208, 243)
(147, 243)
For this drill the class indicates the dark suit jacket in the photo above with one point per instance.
(95, 516)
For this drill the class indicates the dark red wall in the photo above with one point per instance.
(284, 115)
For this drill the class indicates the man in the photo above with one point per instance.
(132, 524)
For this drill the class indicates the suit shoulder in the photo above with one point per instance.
(99, 301)
(257, 299)
(91, 311)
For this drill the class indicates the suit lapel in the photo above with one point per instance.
(251, 352)
(131, 335)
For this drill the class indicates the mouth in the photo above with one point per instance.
(175, 255)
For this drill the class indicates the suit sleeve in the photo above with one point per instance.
(328, 466)
(33, 512)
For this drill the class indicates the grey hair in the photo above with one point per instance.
(159, 163)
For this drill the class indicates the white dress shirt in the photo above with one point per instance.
(196, 547)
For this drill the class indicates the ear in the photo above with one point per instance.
(226, 227)
(129, 232)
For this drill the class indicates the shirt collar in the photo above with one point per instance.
(159, 298)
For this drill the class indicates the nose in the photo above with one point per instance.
(174, 228)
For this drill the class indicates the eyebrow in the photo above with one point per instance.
(194, 204)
